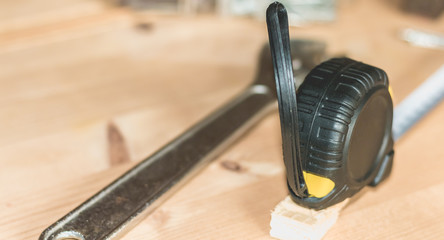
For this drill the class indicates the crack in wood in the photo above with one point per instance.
(117, 150)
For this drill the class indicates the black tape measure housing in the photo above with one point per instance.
(345, 114)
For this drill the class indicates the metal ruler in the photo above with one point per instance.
(421, 101)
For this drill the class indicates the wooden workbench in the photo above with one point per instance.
(88, 90)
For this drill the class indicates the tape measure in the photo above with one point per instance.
(337, 129)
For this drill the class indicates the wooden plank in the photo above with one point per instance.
(65, 79)
(290, 221)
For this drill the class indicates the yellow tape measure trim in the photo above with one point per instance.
(318, 186)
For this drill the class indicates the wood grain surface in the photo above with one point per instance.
(87, 90)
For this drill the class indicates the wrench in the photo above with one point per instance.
(111, 212)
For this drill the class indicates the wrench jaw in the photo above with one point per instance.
(306, 54)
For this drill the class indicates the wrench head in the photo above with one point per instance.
(305, 55)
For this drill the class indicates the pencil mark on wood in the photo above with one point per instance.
(117, 150)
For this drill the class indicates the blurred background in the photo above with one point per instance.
(90, 87)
